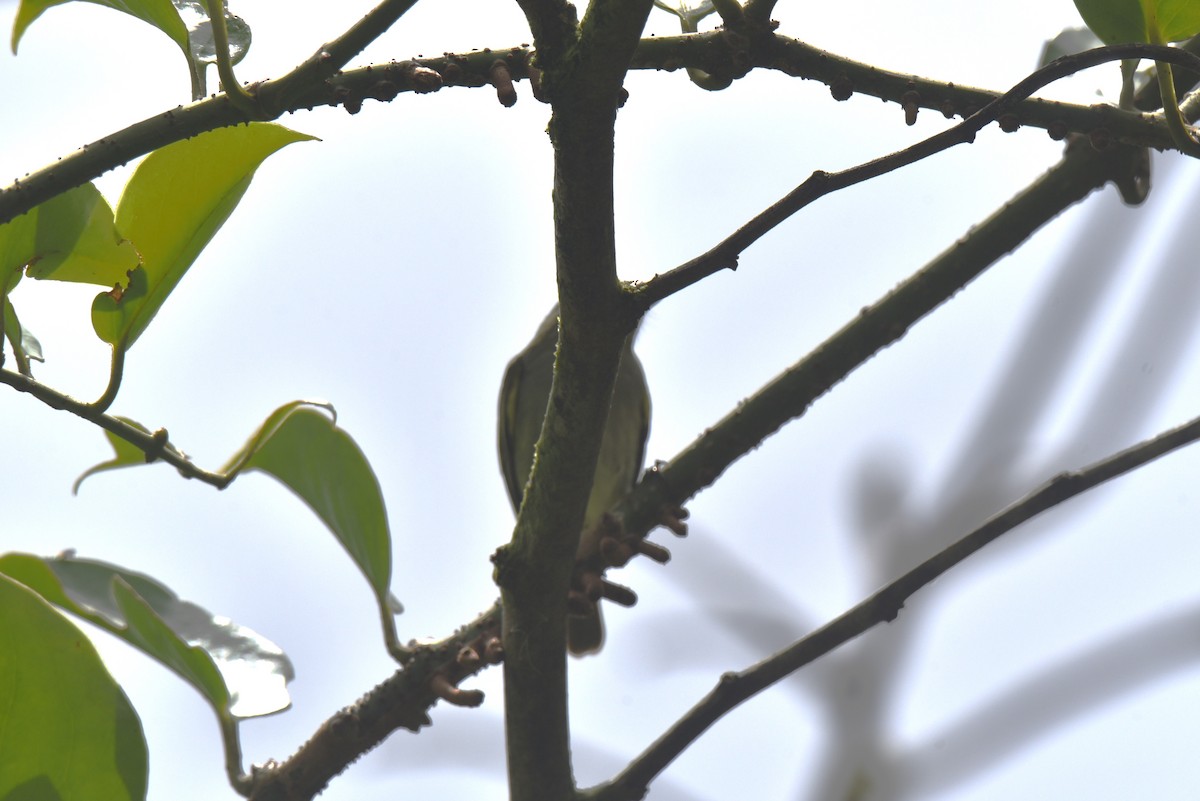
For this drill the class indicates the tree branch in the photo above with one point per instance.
(356, 730)
(155, 445)
(332, 56)
(534, 569)
(305, 88)
(725, 254)
(882, 607)
(400, 702)
(790, 394)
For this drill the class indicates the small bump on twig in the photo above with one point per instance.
(159, 439)
(617, 593)
(910, 101)
(493, 650)
(653, 551)
(501, 78)
(468, 658)
(443, 688)
(842, 88)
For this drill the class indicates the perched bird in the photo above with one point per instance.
(524, 396)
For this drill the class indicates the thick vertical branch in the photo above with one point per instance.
(534, 572)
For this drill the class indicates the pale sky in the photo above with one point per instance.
(394, 267)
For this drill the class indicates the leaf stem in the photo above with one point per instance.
(115, 374)
(1183, 140)
(242, 100)
(1180, 135)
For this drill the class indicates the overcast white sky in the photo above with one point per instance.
(394, 267)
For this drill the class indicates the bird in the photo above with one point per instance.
(524, 396)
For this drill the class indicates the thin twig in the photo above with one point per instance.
(402, 701)
(333, 55)
(877, 326)
(725, 254)
(154, 445)
(882, 607)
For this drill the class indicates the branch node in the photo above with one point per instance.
(159, 439)
(1100, 139)
(615, 552)
(591, 587)
(468, 658)
(578, 604)
(493, 650)
(421, 79)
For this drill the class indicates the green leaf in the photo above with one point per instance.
(159, 13)
(77, 240)
(18, 247)
(125, 455)
(305, 450)
(109, 318)
(1114, 21)
(1124, 21)
(71, 237)
(177, 199)
(68, 731)
(25, 344)
(1177, 19)
(240, 673)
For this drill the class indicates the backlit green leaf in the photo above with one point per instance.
(125, 455)
(240, 673)
(1177, 19)
(305, 450)
(1125, 21)
(25, 344)
(71, 237)
(159, 13)
(67, 729)
(177, 199)
(1114, 21)
(77, 240)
